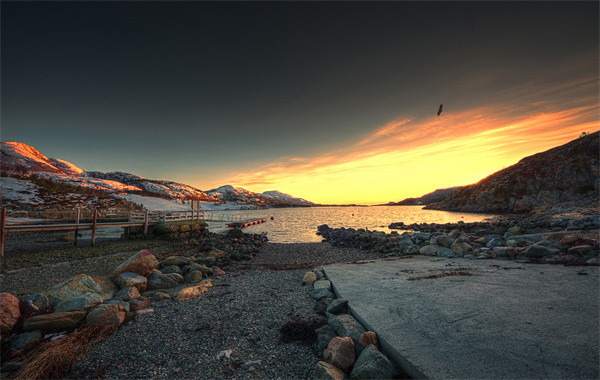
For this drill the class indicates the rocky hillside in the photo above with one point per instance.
(434, 196)
(30, 180)
(565, 174)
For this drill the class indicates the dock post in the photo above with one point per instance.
(77, 228)
(146, 223)
(94, 226)
(2, 229)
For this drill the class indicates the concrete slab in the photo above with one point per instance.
(504, 320)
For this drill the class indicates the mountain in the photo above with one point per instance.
(434, 196)
(19, 157)
(41, 182)
(286, 198)
(565, 174)
(274, 198)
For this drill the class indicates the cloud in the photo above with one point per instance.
(409, 156)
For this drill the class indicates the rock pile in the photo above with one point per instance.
(128, 291)
(504, 239)
(347, 347)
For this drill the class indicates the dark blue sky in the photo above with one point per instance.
(192, 91)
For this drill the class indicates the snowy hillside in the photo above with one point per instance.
(19, 157)
(32, 180)
(230, 193)
(282, 197)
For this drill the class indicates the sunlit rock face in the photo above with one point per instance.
(568, 173)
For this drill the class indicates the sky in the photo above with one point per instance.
(333, 102)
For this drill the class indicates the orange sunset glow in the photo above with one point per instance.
(409, 158)
(332, 102)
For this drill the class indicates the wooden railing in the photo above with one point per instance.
(75, 220)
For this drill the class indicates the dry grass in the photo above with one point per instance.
(52, 360)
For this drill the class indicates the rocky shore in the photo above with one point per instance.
(235, 305)
(233, 330)
(538, 238)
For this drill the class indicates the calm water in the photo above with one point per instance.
(299, 225)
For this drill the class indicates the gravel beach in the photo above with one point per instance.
(231, 332)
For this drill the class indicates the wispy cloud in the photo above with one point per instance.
(409, 156)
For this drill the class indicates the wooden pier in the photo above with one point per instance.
(145, 218)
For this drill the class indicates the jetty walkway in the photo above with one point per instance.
(130, 219)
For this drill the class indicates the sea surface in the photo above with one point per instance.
(299, 225)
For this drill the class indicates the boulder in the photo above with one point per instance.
(202, 268)
(372, 364)
(461, 249)
(320, 294)
(9, 313)
(580, 250)
(194, 276)
(322, 305)
(322, 284)
(78, 303)
(369, 337)
(429, 249)
(516, 230)
(108, 288)
(346, 325)
(496, 242)
(169, 269)
(326, 371)
(159, 296)
(125, 305)
(106, 314)
(73, 287)
(539, 251)
(158, 280)
(179, 261)
(309, 278)
(340, 352)
(139, 303)
(218, 254)
(21, 341)
(193, 291)
(570, 239)
(446, 252)
(55, 321)
(39, 300)
(504, 252)
(218, 272)
(324, 335)
(141, 263)
(337, 305)
(445, 241)
(127, 294)
(127, 279)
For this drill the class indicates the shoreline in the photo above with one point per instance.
(230, 332)
(243, 312)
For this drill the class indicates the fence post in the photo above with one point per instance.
(146, 223)
(2, 229)
(94, 226)
(77, 228)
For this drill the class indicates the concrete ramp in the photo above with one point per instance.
(485, 319)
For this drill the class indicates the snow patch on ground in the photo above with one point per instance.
(19, 190)
(160, 204)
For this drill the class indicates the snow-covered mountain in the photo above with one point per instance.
(19, 157)
(286, 198)
(30, 169)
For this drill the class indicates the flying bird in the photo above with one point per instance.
(440, 109)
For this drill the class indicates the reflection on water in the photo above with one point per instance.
(299, 225)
